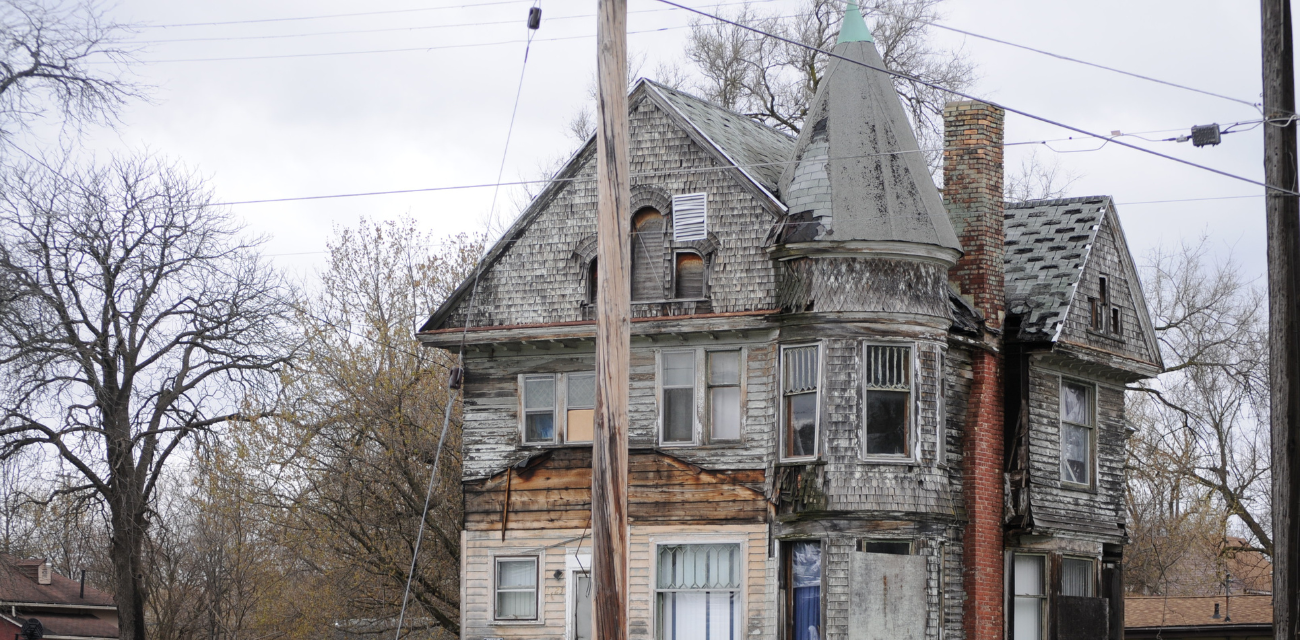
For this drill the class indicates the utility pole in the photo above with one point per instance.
(1283, 225)
(613, 329)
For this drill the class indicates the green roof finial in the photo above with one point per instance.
(854, 28)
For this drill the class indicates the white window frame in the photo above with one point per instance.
(914, 404)
(743, 590)
(1043, 597)
(780, 391)
(537, 589)
(697, 358)
(560, 409)
(565, 419)
(1092, 432)
(741, 355)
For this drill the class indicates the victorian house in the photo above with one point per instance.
(860, 408)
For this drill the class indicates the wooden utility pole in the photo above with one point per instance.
(1283, 224)
(609, 451)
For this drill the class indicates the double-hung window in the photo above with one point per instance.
(1077, 425)
(516, 589)
(678, 384)
(1029, 598)
(539, 409)
(697, 592)
(888, 400)
(1077, 577)
(724, 395)
(799, 385)
(558, 407)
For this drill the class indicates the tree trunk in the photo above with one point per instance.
(128, 573)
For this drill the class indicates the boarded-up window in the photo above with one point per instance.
(888, 399)
(799, 375)
(690, 217)
(648, 255)
(581, 407)
(1080, 618)
(688, 276)
(885, 593)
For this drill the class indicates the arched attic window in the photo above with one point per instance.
(688, 275)
(647, 255)
(591, 281)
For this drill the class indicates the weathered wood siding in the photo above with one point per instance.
(1107, 258)
(864, 285)
(1096, 511)
(552, 546)
(554, 492)
(491, 434)
(541, 277)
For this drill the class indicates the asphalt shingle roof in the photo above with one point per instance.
(1047, 245)
(757, 148)
(18, 584)
(1158, 611)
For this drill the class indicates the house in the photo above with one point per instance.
(1248, 617)
(858, 408)
(67, 609)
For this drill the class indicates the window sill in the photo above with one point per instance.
(1075, 486)
(908, 461)
(799, 462)
(669, 301)
(1105, 335)
(556, 445)
(519, 623)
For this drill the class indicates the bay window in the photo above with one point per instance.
(799, 386)
(888, 400)
(1077, 426)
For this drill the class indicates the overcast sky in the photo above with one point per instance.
(436, 113)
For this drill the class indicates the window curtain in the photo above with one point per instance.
(806, 580)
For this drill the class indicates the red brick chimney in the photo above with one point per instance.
(972, 189)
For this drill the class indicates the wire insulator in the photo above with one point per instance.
(534, 18)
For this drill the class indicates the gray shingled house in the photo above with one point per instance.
(860, 408)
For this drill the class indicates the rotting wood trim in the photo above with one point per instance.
(505, 504)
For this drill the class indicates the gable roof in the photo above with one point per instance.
(757, 151)
(1196, 611)
(1047, 244)
(18, 585)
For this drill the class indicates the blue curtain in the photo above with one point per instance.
(807, 613)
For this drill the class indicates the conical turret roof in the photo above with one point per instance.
(858, 174)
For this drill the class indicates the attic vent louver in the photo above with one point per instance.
(43, 573)
(690, 217)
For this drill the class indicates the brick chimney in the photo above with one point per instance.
(972, 189)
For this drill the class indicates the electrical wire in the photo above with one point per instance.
(420, 28)
(403, 50)
(460, 359)
(932, 85)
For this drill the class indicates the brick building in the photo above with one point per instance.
(859, 408)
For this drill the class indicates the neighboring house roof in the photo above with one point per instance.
(858, 173)
(18, 585)
(68, 625)
(1047, 245)
(1185, 613)
(1251, 571)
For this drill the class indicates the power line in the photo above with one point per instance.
(932, 85)
(332, 15)
(403, 50)
(419, 28)
(1074, 60)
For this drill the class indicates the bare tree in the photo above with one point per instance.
(65, 55)
(773, 81)
(368, 421)
(133, 315)
(1038, 179)
(1212, 402)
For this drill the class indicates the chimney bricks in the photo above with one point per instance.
(972, 191)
